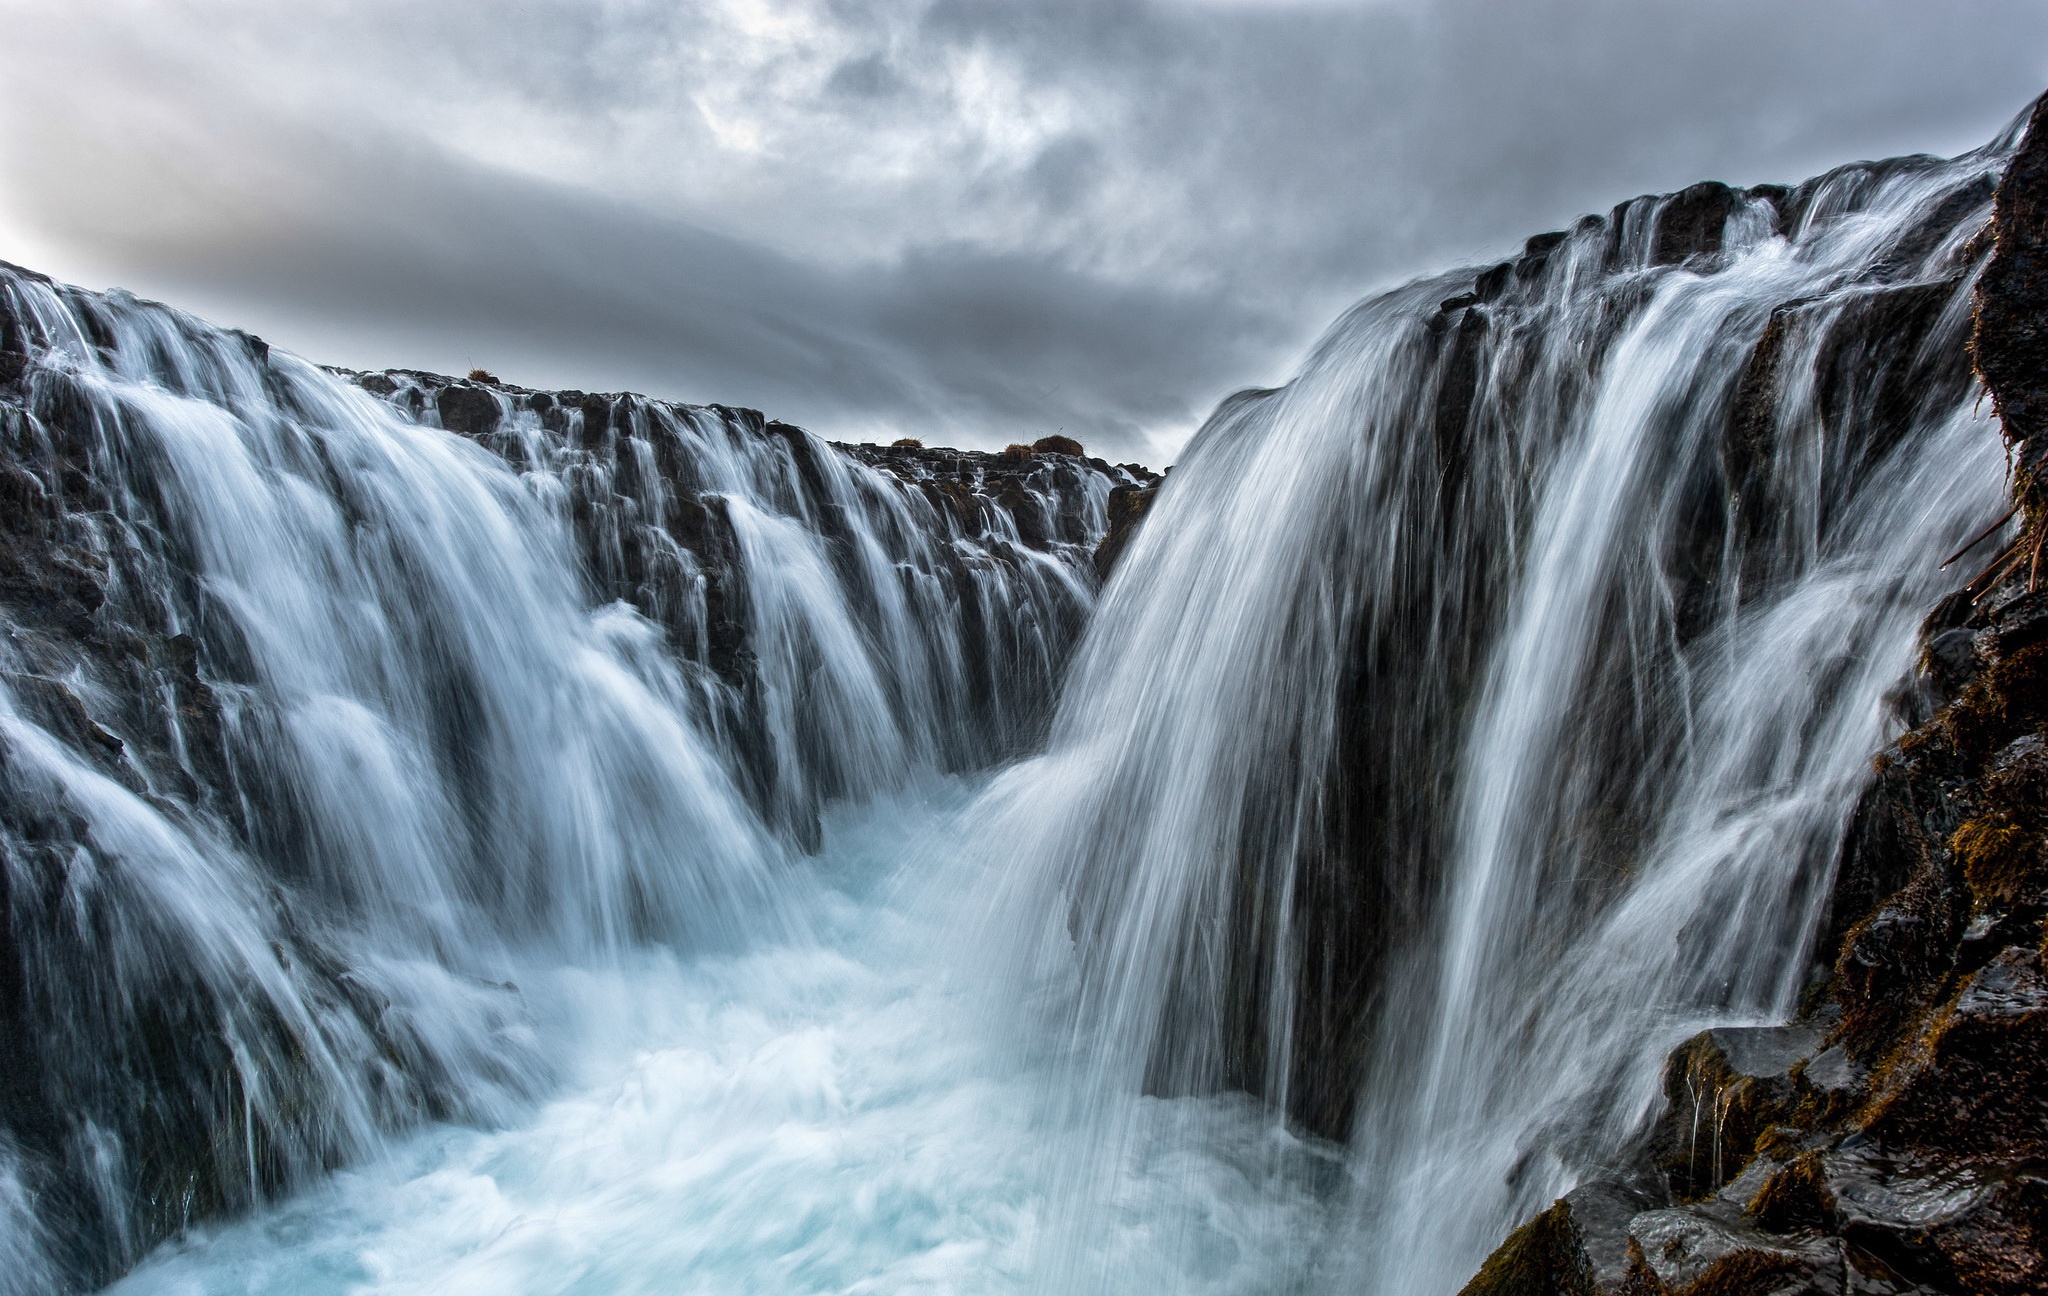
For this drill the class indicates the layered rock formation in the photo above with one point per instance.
(1893, 1138)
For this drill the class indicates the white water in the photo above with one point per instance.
(1426, 781)
(828, 1115)
(351, 743)
(1586, 762)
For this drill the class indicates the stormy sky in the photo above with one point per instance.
(972, 221)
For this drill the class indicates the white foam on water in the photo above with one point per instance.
(826, 1115)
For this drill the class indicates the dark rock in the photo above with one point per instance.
(468, 411)
(1601, 1213)
(1545, 1257)
(1457, 393)
(1128, 506)
(1690, 222)
(1724, 1089)
(1491, 283)
(1832, 1071)
(1536, 254)
(1678, 1250)
(2011, 340)
(1981, 1085)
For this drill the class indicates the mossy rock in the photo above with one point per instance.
(1545, 1257)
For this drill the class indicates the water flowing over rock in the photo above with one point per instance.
(1891, 1139)
(1481, 714)
(321, 695)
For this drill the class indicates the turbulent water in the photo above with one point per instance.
(504, 842)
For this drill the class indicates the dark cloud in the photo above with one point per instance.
(969, 220)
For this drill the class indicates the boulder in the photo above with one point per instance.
(1724, 1089)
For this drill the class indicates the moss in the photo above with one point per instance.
(1544, 1257)
(1014, 453)
(2000, 858)
(1796, 1197)
(906, 443)
(1058, 445)
(1744, 1273)
(482, 376)
(1999, 704)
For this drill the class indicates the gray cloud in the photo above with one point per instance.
(969, 220)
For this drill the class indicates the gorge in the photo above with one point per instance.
(460, 837)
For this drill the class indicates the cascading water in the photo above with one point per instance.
(312, 733)
(1480, 715)
(1470, 720)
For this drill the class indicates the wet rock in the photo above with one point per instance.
(1690, 222)
(1981, 1085)
(467, 410)
(1492, 283)
(1457, 392)
(1128, 506)
(1832, 1073)
(2011, 342)
(1545, 1257)
(1724, 1089)
(1690, 1251)
(1580, 1245)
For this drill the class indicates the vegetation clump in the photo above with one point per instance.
(483, 376)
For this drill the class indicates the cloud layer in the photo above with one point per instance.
(967, 220)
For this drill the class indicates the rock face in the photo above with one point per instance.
(1895, 1137)
(1128, 506)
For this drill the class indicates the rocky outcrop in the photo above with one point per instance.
(1895, 1137)
(1128, 506)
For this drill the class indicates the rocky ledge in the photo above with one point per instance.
(1893, 1138)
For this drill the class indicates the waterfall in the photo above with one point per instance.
(455, 836)
(1480, 714)
(319, 723)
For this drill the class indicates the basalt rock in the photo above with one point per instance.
(1690, 222)
(2011, 343)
